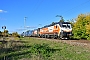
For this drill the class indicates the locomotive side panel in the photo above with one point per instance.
(49, 31)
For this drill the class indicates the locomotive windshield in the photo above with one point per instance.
(66, 26)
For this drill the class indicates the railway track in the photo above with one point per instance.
(84, 43)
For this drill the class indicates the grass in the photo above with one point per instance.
(37, 49)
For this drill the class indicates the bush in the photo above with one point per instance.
(41, 49)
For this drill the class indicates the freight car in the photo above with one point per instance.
(61, 30)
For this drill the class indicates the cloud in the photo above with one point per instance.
(2, 11)
(2, 18)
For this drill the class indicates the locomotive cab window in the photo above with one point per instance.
(66, 25)
(69, 25)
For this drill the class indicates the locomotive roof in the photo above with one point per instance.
(56, 23)
(65, 22)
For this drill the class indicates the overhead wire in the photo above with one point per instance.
(74, 8)
(34, 6)
(37, 6)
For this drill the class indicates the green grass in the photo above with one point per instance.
(37, 49)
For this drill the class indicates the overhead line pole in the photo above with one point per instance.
(24, 24)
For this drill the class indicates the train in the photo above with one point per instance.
(60, 30)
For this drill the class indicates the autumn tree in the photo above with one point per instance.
(80, 29)
(15, 34)
(88, 26)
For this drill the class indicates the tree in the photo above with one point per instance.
(81, 26)
(0, 33)
(15, 34)
(5, 32)
(88, 26)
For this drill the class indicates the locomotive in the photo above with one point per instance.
(61, 30)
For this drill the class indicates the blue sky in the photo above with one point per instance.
(38, 12)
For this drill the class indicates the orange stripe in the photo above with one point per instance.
(56, 29)
(48, 33)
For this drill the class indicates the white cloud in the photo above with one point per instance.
(3, 11)
(2, 18)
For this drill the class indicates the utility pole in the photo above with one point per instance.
(4, 27)
(24, 24)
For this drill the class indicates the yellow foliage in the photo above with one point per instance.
(81, 27)
(88, 29)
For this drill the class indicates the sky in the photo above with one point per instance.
(38, 13)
